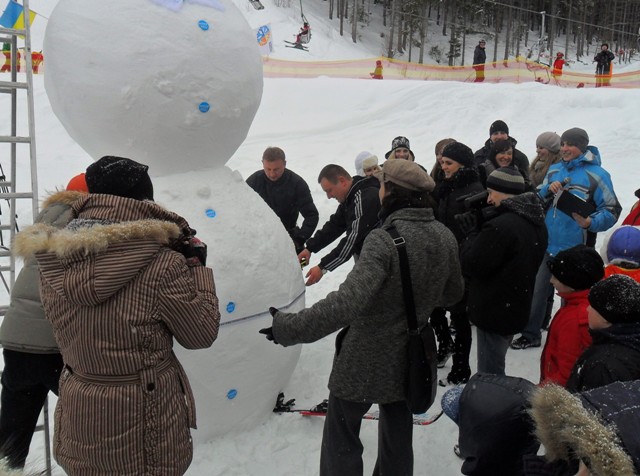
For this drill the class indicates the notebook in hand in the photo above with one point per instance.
(569, 203)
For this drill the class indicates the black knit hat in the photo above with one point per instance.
(499, 126)
(617, 299)
(460, 153)
(579, 267)
(120, 176)
(506, 180)
(577, 137)
(399, 141)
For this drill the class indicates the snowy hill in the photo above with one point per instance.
(323, 121)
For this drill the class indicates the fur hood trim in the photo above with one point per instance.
(66, 197)
(41, 238)
(568, 430)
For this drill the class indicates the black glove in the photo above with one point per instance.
(268, 333)
(194, 250)
(467, 222)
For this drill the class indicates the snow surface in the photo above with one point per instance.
(324, 120)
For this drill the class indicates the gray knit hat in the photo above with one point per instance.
(576, 137)
(549, 141)
(506, 180)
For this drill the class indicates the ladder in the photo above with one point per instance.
(8, 184)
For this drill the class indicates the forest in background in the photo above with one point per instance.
(514, 28)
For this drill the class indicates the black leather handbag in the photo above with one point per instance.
(422, 372)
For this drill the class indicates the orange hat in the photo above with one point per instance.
(78, 184)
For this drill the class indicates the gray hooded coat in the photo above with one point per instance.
(371, 352)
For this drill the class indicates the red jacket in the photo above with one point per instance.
(633, 218)
(568, 337)
(612, 269)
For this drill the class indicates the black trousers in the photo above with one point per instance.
(26, 380)
(341, 453)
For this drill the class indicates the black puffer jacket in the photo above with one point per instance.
(464, 182)
(495, 429)
(357, 216)
(614, 355)
(502, 261)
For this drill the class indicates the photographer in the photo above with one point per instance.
(501, 260)
(118, 284)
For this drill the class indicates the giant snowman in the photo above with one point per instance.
(175, 84)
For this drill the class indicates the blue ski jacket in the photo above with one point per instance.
(585, 178)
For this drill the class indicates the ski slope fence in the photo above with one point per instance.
(519, 70)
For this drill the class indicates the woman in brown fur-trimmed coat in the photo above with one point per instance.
(117, 292)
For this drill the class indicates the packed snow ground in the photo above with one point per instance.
(323, 121)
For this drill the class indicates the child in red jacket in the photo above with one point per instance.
(573, 272)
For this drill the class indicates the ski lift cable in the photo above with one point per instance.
(493, 2)
(304, 19)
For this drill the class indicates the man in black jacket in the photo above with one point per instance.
(479, 58)
(500, 131)
(356, 215)
(287, 194)
(501, 261)
(603, 65)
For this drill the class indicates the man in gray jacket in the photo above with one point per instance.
(370, 364)
(32, 361)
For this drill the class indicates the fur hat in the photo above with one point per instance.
(549, 141)
(78, 184)
(369, 162)
(598, 426)
(359, 159)
(506, 180)
(120, 176)
(623, 247)
(399, 141)
(460, 153)
(617, 299)
(499, 126)
(576, 137)
(579, 267)
(407, 174)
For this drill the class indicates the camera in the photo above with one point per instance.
(477, 203)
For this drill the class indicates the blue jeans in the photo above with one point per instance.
(543, 288)
(492, 350)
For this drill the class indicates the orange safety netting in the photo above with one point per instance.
(519, 70)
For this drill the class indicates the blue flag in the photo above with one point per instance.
(13, 16)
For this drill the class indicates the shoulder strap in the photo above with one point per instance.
(405, 275)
